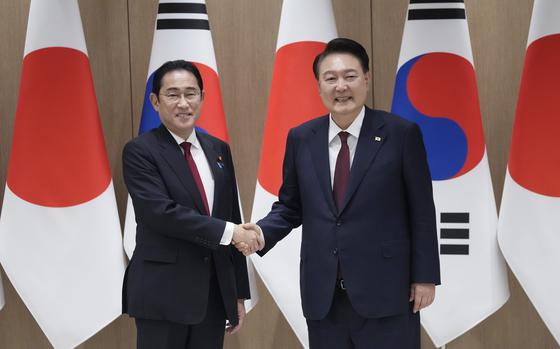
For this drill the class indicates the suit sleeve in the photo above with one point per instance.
(285, 213)
(239, 260)
(421, 210)
(155, 207)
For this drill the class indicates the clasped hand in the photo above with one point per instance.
(247, 238)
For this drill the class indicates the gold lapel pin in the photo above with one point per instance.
(377, 139)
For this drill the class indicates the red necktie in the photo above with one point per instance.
(342, 170)
(194, 170)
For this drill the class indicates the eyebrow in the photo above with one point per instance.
(344, 71)
(175, 89)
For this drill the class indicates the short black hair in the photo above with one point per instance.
(168, 66)
(342, 45)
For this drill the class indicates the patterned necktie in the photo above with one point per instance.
(194, 170)
(342, 170)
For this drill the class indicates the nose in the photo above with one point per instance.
(341, 85)
(183, 102)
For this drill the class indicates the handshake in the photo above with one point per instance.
(247, 238)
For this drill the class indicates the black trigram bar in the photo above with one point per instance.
(435, 1)
(454, 217)
(183, 23)
(454, 249)
(446, 233)
(436, 13)
(182, 8)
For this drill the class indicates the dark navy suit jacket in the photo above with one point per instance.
(384, 236)
(176, 245)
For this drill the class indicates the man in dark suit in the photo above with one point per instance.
(184, 279)
(358, 182)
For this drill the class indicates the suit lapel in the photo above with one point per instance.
(370, 141)
(172, 154)
(215, 161)
(319, 146)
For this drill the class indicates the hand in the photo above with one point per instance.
(260, 236)
(240, 315)
(246, 239)
(422, 295)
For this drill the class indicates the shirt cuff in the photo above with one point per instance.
(228, 234)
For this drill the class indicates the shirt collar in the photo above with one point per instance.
(193, 139)
(353, 129)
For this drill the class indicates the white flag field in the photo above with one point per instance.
(305, 28)
(436, 88)
(60, 237)
(182, 31)
(529, 228)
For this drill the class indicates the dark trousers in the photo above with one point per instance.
(343, 328)
(208, 334)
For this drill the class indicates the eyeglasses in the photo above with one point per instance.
(175, 96)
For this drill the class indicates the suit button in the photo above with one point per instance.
(338, 223)
(206, 259)
(335, 251)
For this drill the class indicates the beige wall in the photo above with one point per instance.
(119, 36)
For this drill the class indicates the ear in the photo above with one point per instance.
(202, 95)
(367, 78)
(155, 101)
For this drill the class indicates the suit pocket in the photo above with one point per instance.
(159, 254)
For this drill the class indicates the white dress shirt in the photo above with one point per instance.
(207, 178)
(334, 140)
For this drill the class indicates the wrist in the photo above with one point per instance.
(235, 234)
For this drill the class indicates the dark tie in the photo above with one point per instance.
(342, 170)
(194, 170)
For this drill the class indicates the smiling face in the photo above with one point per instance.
(343, 85)
(179, 102)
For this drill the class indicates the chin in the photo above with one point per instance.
(345, 110)
(187, 124)
(184, 128)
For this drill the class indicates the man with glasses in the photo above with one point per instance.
(185, 278)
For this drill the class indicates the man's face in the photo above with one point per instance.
(343, 85)
(179, 102)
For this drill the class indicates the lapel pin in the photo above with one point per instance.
(377, 139)
(220, 161)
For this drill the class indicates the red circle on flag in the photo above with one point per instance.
(212, 116)
(294, 99)
(534, 161)
(58, 155)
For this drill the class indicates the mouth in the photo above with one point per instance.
(184, 115)
(342, 99)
